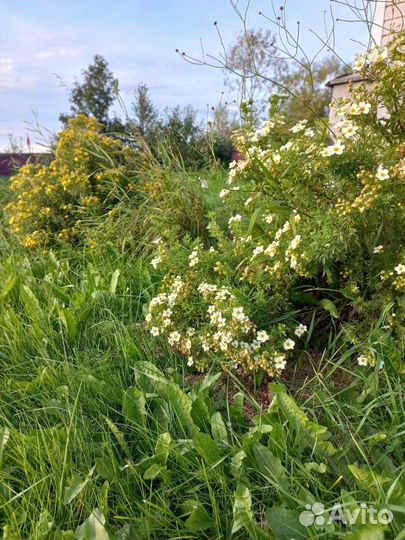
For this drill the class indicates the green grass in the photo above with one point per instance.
(102, 426)
(104, 433)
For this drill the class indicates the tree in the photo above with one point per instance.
(95, 94)
(307, 82)
(249, 64)
(146, 116)
(254, 66)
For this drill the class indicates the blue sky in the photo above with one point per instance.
(45, 44)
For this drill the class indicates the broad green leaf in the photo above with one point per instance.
(8, 287)
(284, 524)
(199, 520)
(76, 486)
(315, 434)
(179, 401)
(134, 406)
(242, 508)
(207, 448)
(268, 464)
(149, 378)
(375, 483)
(329, 306)
(154, 471)
(58, 292)
(162, 448)
(160, 415)
(114, 281)
(93, 528)
(71, 324)
(237, 463)
(218, 429)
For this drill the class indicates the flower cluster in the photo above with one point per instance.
(52, 201)
(220, 329)
(312, 217)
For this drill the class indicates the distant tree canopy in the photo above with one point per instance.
(176, 131)
(257, 69)
(94, 94)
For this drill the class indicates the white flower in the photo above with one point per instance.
(279, 362)
(364, 108)
(154, 331)
(262, 336)
(400, 269)
(235, 219)
(359, 62)
(334, 149)
(287, 147)
(288, 344)
(268, 218)
(295, 242)
(300, 330)
(174, 337)
(309, 132)
(204, 183)
(362, 360)
(148, 317)
(190, 361)
(382, 173)
(299, 127)
(271, 249)
(248, 201)
(223, 193)
(378, 249)
(258, 249)
(155, 262)
(193, 258)
(377, 55)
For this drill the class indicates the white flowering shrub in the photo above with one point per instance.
(316, 224)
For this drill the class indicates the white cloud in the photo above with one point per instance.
(6, 66)
(57, 52)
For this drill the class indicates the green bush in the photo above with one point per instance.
(89, 175)
(314, 236)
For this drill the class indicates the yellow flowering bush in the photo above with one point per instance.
(88, 176)
(314, 238)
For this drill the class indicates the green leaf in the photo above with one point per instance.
(8, 287)
(237, 463)
(58, 292)
(76, 486)
(315, 434)
(268, 464)
(329, 306)
(181, 404)
(284, 523)
(242, 508)
(4, 437)
(366, 532)
(93, 528)
(134, 406)
(370, 480)
(218, 429)
(199, 520)
(114, 281)
(207, 448)
(149, 378)
(160, 415)
(154, 471)
(162, 448)
(71, 324)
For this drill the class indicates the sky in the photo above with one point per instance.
(45, 44)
